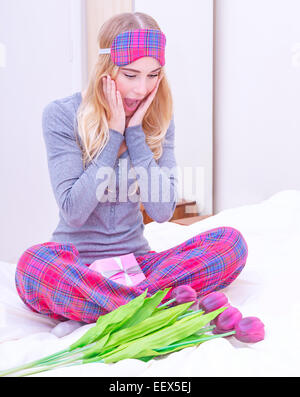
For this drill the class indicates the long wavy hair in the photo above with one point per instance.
(94, 113)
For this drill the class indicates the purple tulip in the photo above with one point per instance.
(183, 294)
(212, 301)
(227, 320)
(250, 330)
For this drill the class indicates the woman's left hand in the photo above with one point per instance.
(139, 114)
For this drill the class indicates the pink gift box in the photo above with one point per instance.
(122, 269)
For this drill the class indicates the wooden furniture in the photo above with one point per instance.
(184, 209)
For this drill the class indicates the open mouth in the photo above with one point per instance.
(131, 104)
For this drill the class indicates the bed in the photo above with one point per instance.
(268, 288)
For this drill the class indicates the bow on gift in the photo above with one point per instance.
(130, 271)
(122, 269)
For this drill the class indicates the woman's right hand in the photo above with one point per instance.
(114, 99)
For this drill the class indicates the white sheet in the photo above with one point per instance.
(268, 288)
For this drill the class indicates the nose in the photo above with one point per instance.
(141, 89)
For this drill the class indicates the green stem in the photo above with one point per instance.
(52, 358)
(93, 360)
(77, 358)
(167, 303)
(64, 354)
(31, 364)
(52, 366)
(17, 369)
(194, 341)
(190, 313)
(207, 329)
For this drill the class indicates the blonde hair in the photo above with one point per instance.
(94, 113)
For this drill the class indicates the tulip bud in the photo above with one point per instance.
(250, 330)
(212, 301)
(227, 320)
(183, 294)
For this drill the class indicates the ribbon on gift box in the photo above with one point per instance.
(122, 269)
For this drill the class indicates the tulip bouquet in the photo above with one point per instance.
(245, 329)
(144, 329)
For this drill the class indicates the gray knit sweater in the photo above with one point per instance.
(99, 207)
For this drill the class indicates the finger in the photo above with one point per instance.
(119, 101)
(153, 92)
(113, 93)
(107, 92)
(151, 95)
(105, 89)
(104, 85)
(108, 86)
(147, 101)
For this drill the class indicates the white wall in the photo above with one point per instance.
(42, 58)
(188, 27)
(256, 100)
(41, 61)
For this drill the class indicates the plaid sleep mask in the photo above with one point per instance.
(129, 46)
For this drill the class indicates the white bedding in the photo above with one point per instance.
(268, 288)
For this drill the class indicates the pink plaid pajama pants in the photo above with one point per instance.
(52, 279)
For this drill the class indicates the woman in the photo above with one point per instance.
(108, 149)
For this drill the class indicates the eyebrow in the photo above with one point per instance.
(138, 71)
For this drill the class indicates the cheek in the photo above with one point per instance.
(122, 87)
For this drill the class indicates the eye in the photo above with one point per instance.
(151, 75)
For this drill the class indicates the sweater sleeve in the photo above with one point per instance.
(76, 190)
(157, 179)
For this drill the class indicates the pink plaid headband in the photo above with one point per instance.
(129, 46)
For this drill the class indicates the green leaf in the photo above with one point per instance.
(100, 344)
(110, 321)
(185, 342)
(192, 340)
(125, 335)
(147, 353)
(146, 359)
(165, 336)
(148, 308)
(95, 356)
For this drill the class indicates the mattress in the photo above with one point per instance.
(268, 287)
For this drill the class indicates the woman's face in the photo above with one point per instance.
(137, 83)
